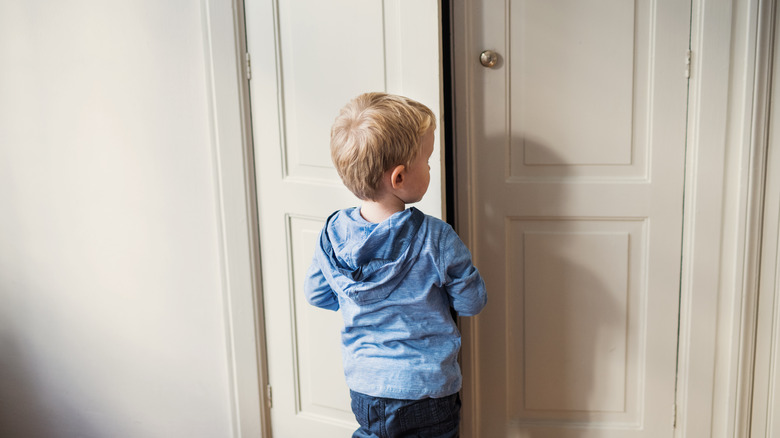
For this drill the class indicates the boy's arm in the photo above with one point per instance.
(461, 279)
(317, 290)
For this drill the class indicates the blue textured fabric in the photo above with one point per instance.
(395, 283)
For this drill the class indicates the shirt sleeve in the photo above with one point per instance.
(462, 281)
(317, 290)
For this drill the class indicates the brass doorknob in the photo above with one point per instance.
(488, 58)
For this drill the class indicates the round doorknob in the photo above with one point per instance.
(488, 58)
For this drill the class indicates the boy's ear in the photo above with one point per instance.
(397, 176)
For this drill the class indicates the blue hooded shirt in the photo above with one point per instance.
(395, 283)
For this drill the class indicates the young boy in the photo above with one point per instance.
(394, 273)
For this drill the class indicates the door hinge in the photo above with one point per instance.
(688, 55)
(269, 396)
(248, 67)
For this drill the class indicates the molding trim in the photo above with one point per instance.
(703, 217)
(462, 34)
(726, 160)
(758, 294)
(228, 90)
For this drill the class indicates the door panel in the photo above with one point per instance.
(317, 372)
(572, 82)
(576, 292)
(578, 88)
(573, 190)
(309, 58)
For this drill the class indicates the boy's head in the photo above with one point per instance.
(373, 133)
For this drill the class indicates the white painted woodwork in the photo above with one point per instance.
(724, 189)
(765, 394)
(713, 184)
(572, 195)
(238, 238)
(308, 59)
(576, 290)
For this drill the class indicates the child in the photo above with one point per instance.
(394, 273)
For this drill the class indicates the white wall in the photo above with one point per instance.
(111, 317)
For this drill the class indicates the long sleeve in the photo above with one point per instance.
(317, 290)
(462, 281)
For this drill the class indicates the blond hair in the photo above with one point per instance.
(373, 133)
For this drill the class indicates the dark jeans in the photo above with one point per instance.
(390, 418)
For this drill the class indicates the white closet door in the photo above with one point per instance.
(309, 57)
(572, 196)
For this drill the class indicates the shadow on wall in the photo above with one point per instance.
(574, 307)
(567, 310)
(574, 364)
(28, 407)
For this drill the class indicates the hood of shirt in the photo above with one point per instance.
(365, 261)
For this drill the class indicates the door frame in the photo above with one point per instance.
(227, 75)
(759, 357)
(725, 186)
(726, 154)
